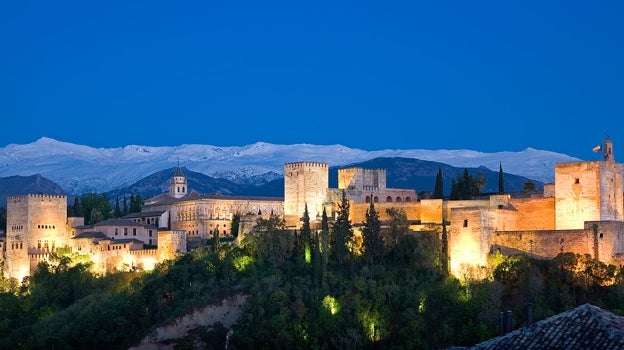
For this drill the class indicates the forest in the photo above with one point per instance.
(314, 288)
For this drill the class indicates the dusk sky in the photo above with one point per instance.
(487, 76)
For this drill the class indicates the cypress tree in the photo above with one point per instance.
(438, 191)
(76, 208)
(501, 186)
(125, 206)
(371, 235)
(216, 241)
(117, 212)
(325, 243)
(445, 256)
(316, 259)
(342, 230)
(306, 233)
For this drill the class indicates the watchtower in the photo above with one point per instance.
(304, 183)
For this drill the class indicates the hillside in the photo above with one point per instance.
(81, 169)
(405, 173)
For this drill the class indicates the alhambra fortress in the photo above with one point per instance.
(581, 212)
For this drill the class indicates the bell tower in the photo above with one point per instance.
(178, 187)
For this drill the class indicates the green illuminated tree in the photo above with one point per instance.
(343, 231)
(371, 235)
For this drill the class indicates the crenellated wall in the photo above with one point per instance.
(36, 224)
(304, 183)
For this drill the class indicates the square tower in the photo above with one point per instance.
(304, 183)
(588, 191)
(36, 226)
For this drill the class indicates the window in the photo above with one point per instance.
(465, 222)
(134, 231)
(577, 180)
(116, 231)
(150, 233)
(125, 231)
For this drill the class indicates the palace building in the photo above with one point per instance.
(581, 212)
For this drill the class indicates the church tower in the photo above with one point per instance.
(178, 187)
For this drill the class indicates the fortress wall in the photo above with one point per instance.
(577, 194)
(611, 201)
(431, 211)
(608, 239)
(545, 244)
(357, 212)
(464, 240)
(304, 183)
(534, 213)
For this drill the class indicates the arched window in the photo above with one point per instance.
(368, 199)
(398, 199)
(408, 199)
(388, 199)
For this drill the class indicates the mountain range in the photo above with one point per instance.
(80, 169)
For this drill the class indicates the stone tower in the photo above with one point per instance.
(178, 187)
(588, 191)
(304, 183)
(36, 226)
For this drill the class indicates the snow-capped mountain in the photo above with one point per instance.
(81, 169)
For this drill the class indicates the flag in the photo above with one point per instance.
(597, 148)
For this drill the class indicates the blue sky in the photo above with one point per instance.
(489, 76)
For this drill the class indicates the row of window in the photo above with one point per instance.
(389, 199)
(134, 231)
(45, 227)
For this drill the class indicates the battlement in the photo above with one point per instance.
(299, 165)
(144, 252)
(25, 197)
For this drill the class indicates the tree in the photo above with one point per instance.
(117, 210)
(501, 186)
(125, 206)
(398, 224)
(235, 224)
(444, 243)
(96, 216)
(317, 269)
(76, 208)
(306, 233)
(342, 230)
(136, 202)
(371, 235)
(3, 219)
(479, 182)
(438, 191)
(466, 186)
(325, 243)
(216, 241)
(528, 186)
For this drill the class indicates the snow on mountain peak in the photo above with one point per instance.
(80, 169)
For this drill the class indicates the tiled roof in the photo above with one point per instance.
(91, 234)
(125, 241)
(118, 222)
(585, 327)
(165, 199)
(144, 214)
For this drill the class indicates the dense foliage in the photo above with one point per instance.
(303, 298)
(95, 208)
